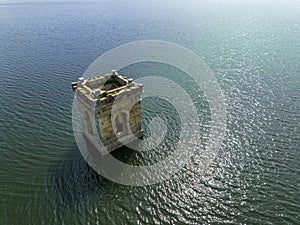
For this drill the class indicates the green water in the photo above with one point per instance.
(254, 51)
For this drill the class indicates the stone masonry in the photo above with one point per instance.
(110, 108)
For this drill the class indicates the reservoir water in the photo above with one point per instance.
(254, 51)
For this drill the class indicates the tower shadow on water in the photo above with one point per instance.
(72, 181)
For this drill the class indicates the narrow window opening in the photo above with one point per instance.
(121, 124)
(88, 123)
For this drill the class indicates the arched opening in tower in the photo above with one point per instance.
(88, 123)
(121, 124)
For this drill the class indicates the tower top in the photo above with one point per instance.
(104, 89)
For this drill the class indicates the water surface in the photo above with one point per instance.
(254, 51)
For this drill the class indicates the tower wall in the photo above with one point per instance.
(115, 118)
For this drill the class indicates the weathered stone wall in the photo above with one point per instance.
(103, 111)
(135, 115)
(129, 103)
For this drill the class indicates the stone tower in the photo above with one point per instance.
(110, 108)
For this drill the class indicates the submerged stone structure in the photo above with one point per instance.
(110, 108)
